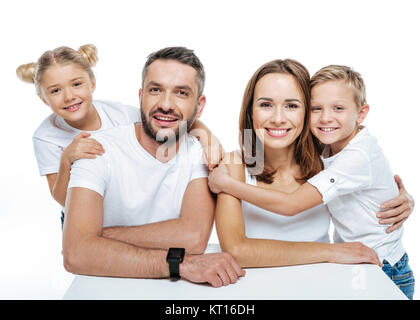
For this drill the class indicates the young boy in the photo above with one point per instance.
(356, 178)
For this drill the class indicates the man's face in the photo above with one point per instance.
(169, 99)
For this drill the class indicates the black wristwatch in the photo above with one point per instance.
(174, 258)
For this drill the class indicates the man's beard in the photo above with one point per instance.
(177, 133)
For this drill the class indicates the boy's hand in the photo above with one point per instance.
(397, 210)
(218, 178)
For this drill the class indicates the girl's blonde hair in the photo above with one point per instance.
(350, 76)
(85, 57)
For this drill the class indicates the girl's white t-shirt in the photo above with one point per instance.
(55, 134)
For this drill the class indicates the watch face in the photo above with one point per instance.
(176, 253)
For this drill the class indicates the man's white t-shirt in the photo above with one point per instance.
(354, 183)
(137, 188)
(54, 134)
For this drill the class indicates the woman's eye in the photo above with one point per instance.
(265, 104)
(291, 106)
(338, 108)
(53, 91)
(76, 84)
(315, 109)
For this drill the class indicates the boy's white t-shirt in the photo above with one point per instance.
(54, 134)
(353, 184)
(137, 188)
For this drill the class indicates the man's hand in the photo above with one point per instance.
(218, 269)
(397, 210)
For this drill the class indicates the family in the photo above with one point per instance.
(138, 186)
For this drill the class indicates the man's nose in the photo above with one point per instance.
(166, 102)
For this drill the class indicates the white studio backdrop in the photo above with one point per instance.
(232, 39)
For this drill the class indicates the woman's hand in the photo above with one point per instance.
(353, 252)
(213, 152)
(218, 178)
(82, 147)
(397, 210)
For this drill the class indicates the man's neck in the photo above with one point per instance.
(162, 152)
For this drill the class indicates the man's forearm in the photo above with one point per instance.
(162, 235)
(99, 256)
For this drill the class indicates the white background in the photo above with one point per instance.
(232, 39)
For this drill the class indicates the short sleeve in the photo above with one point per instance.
(199, 168)
(349, 172)
(48, 156)
(90, 174)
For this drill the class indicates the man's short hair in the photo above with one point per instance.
(350, 76)
(182, 55)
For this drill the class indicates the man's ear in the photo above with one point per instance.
(363, 111)
(200, 106)
(140, 94)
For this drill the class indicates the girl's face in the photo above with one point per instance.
(68, 89)
(278, 110)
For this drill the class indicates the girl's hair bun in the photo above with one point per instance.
(89, 53)
(26, 72)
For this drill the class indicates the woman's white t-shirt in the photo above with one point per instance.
(55, 134)
(310, 225)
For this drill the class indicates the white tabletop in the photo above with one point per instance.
(312, 281)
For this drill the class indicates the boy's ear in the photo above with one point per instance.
(363, 111)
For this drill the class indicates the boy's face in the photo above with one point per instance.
(335, 115)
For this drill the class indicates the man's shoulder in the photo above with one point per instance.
(118, 112)
(113, 134)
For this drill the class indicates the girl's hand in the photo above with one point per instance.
(397, 210)
(82, 147)
(218, 178)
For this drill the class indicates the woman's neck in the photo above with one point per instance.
(282, 160)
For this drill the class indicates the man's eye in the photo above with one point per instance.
(154, 90)
(183, 93)
(314, 109)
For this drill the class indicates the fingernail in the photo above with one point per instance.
(378, 215)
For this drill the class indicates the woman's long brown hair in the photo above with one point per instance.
(306, 152)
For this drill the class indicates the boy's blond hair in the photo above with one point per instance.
(337, 72)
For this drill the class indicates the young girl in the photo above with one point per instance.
(65, 82)
(356, 178)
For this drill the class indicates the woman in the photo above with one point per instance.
(279, 154)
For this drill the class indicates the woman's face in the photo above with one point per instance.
(278, 110)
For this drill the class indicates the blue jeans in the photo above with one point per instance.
(402, 275)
